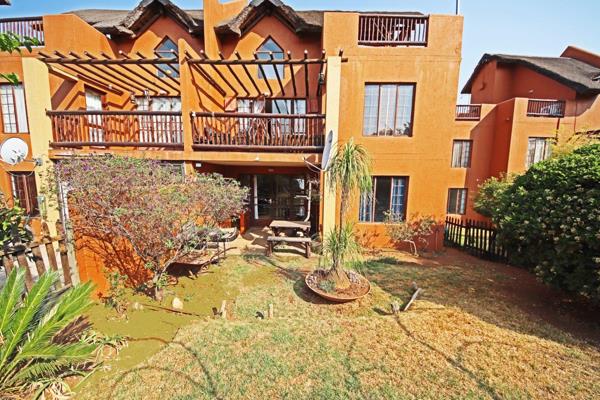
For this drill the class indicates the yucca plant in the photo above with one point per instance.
(41, 335)
(350, 172)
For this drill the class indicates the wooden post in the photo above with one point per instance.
(22, 260)
(223, 310)
(37, 258)
(8, 263)
(271, 311)
(64, 256)
(47, 240)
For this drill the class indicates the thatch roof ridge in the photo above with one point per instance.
(570, 72)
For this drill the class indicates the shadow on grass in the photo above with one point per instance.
(504, 296)
(207, 386)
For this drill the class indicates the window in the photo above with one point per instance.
(275, 106)
(457, 201)
(14, 114)
(264, 53)
(388, 196)
(167, 49)
(538, 150)
(388, 109)
(461, 154)
(25, 191)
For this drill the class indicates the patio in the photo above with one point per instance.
(254, 241)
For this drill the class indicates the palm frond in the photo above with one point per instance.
(350, 168)
(10, 297)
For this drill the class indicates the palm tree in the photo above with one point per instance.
(41, 335)
(349, 172)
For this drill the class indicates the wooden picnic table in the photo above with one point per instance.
(278, 226)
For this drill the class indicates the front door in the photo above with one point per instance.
(279, 197)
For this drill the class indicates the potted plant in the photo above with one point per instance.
(349, 173)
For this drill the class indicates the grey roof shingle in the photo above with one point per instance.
(575, 74)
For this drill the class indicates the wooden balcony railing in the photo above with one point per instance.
(32, 27)
(116, 128)
(247, 132)
(546, 108)
(392, 30)
(468, 112)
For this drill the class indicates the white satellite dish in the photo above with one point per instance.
(13, 151)
(327, 151)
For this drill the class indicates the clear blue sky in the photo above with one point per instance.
(533, 27)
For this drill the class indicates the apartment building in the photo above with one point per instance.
(255, 90)
(520, 105)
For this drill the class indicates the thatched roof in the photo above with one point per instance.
(4, 2)
(298, 21)
(131, 22)
(575, 74)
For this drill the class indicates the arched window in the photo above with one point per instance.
(167, 49)
(264, 52)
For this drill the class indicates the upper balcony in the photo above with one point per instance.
(73, 129)
(259, 132)
(468, 112)
(392, 30)
(32, 27)
(546, 108)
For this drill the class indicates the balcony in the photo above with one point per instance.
(468, 112)
(546, 108)
(392, 30)
(116, 128)
(32, 27)
(258, 132)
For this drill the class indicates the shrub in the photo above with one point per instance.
(142, 207)
(417, 229)
(489, 195)
(41, 336)
(549, 220)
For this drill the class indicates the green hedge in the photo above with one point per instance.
(549, 220)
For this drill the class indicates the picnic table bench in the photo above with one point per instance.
(273, 240)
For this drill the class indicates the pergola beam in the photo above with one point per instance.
(125, 83)
(137, 74)
(239, 81)
(151, 73)
(277, 74)
(235, 92)
(306, 84)
(264, 75)
(289, 54)
(247, 72)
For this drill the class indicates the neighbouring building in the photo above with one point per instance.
(254, 91)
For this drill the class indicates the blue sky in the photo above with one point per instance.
(534, 27)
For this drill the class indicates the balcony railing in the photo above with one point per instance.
(468, 112)
(546, 108)
(116, 128)
(267, 132)
(392, 30)
(32, 27)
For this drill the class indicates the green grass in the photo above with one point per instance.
(474, 334)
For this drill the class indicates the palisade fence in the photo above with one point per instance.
(475, 237)
(43, 254)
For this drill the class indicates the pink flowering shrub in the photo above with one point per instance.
(146, 207)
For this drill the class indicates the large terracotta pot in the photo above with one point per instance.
(312, 279)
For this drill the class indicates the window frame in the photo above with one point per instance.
(390, 201)
(547, 149)
(412, 114)
(466, 197)
(15, 113)
(279, 67)
(162, 68)
(31, 206)
(469, 156)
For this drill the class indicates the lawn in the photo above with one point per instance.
(479, 331)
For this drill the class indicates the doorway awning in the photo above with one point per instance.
(134, 74)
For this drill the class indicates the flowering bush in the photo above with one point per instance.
(157, 212)
(549, 220)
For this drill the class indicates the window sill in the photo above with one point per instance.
(388, 136)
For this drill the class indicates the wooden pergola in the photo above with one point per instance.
(128, 74)
(237, 70)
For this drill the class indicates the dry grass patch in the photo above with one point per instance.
(465, 339)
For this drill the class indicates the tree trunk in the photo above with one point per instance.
(339, 277)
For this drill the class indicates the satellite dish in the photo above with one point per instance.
(327, 151)
(13, 151)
